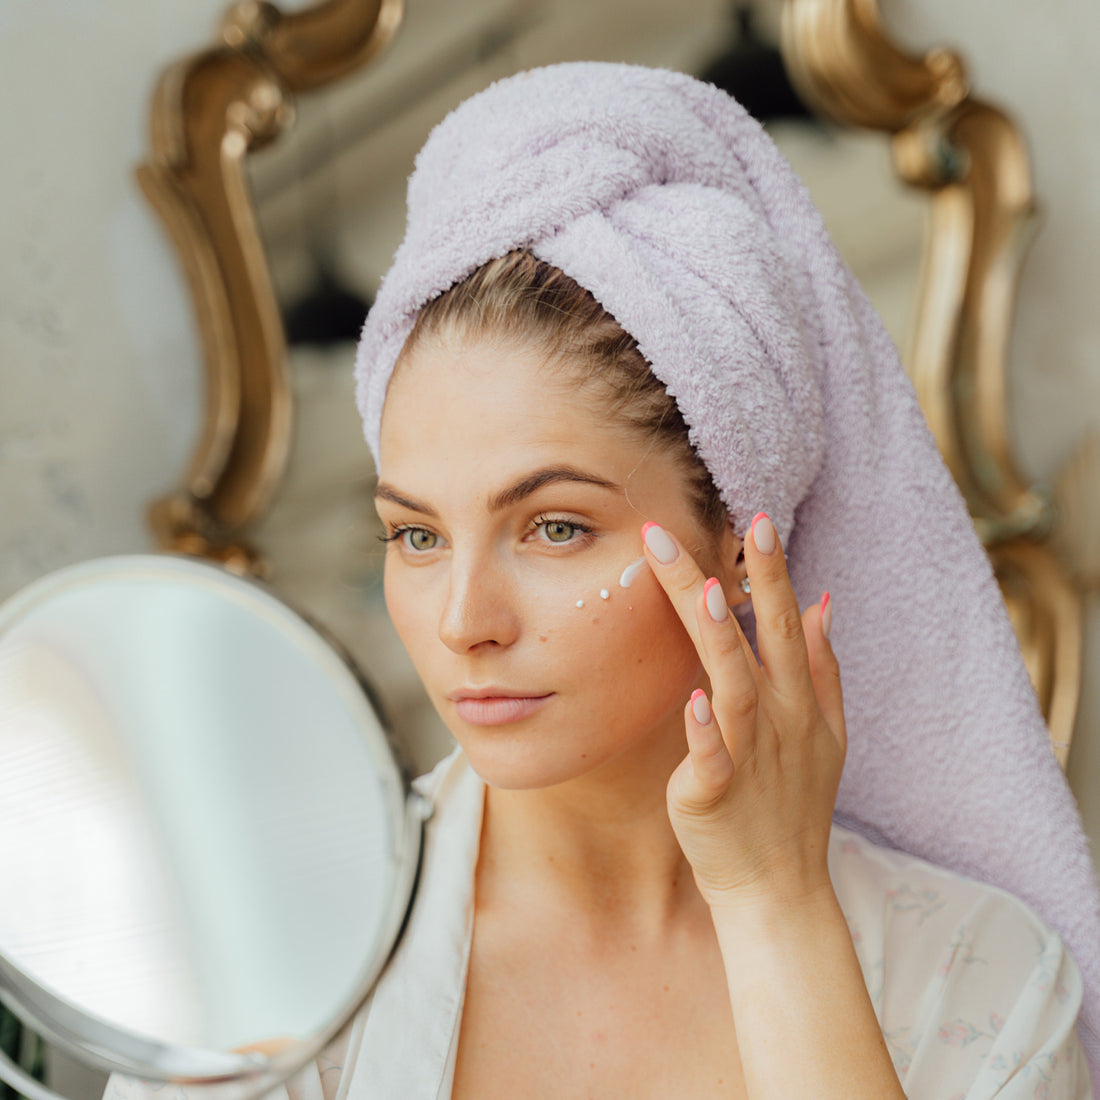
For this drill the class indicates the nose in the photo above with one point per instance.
(480, 611)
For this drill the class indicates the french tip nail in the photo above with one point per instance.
(660, 544)
(826, 614)
(715, 600)
(763, 533)
(700, 706)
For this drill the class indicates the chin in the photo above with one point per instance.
(510, 766)
(528, 760)
(522, 756)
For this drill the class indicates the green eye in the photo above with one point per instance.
(559, 531)
(416, 538)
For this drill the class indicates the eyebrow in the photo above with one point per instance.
(519, 490)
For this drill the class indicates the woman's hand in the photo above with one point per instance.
(752, 806)
(752, 802)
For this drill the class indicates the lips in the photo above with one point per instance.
(495, 706)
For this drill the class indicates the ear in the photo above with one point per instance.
(731, 566)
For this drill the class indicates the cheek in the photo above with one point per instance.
(394, 597)
(409, 612)
(630, 647)
(657, 646)
(628, 655)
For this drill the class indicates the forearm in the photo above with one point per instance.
(804, 1020)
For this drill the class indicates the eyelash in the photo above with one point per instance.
(395, 533)
(585, 532)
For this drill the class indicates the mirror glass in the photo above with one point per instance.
(207, 841)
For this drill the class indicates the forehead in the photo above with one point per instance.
(471, 396)
(465, 424)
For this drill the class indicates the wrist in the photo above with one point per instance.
(778, 914)
(792, 969)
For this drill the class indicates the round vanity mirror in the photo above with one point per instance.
(207, 842)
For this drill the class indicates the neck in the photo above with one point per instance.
(599, 846)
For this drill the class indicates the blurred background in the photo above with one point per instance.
(101, 382)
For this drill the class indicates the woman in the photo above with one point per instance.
(614, 306)
(567, 692)
(630, 413)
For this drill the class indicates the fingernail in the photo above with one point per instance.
(660, 545)
(763, 533)
(826, 614)
(700, 707)
(715, 600)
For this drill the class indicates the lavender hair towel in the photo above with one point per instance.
(669, 203)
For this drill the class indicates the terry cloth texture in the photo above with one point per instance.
(667, 201)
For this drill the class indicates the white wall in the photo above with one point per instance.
(98, 365)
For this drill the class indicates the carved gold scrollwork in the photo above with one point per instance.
(209, 110)
(971, 159)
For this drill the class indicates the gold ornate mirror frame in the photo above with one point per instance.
(209, 110)
(970, 158)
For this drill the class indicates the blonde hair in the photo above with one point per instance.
(518, 297)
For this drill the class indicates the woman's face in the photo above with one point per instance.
(513, 506)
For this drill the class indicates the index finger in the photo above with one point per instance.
(780, 640)
(685, 585)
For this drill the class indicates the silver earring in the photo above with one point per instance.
(745, 586)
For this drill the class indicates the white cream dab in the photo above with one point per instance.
(604, 594)
(630, 572)
(580, 603)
